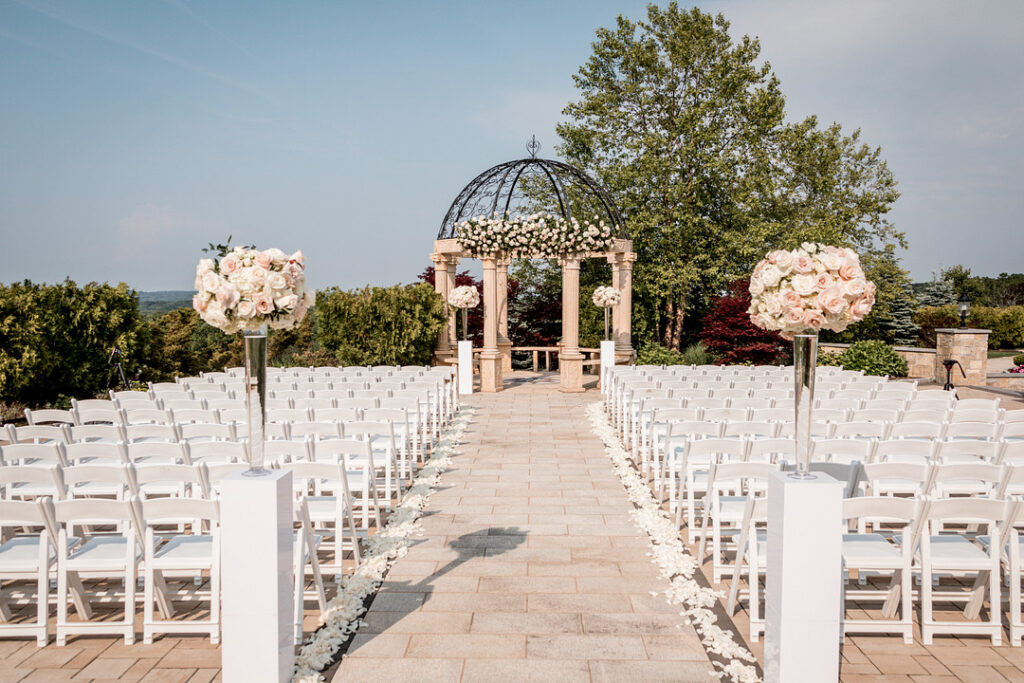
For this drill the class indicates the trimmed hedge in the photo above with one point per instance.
(396, 325)
(1007, 324)
(873, 357)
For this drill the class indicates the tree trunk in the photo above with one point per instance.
(669, 318)
(677, 326)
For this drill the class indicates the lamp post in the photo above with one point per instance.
(963, 306)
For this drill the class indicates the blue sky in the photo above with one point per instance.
(133, 133)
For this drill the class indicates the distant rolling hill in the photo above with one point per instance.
(156, 303)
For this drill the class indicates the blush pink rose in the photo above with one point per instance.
(832, 300)
(854, 287)
(813, 319)
(263, 303)
(258, 274)
(822, 282)
(199, 302)
(803, 264)
(849, 270)
(229, 264)
(791, 298)
(263, 259)
(794, 315)
(861, 307)
(211, 282)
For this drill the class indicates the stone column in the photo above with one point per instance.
(441, 286)
(453, 335)
(967, 345)
(623, 312)
(504, 345)
(570, 360)
(613, 259)
(490, 355)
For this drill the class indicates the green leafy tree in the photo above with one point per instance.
(686, 127)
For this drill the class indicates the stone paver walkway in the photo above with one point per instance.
(530, 567)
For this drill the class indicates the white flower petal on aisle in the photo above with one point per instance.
(342, 616)
(674, 560)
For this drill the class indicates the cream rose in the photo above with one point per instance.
(276, 281)
(263, 259)
(771, 275)
(756, 286)
(854, 287)
(229, 264)
(204, 266)
(245, 309)
(784, 260)
(286, 302)
(774, 305)
(803, 284)
(794, 315)
(849, 270)
(228, 296)
(211, 282)
(813, 319)
(823, 281)
(199, 302)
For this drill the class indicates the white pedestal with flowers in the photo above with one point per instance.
(798, 293)
(606, 298)
(247, 290)
(465, 298)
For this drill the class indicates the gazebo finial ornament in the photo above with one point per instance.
(533, 146)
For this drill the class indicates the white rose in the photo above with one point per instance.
(756, 286)
(276, 281)
(803, 284)
(286, 302)
(205, 266)
(770, 275)
(809, 247)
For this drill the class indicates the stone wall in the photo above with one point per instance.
(1007, 380)
(967, 345)
(920, 361)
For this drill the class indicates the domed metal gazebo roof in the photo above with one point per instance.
(529, 185)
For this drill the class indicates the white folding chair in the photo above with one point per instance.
(56, 433)
(99, 555)
(181, 555)
(102, 433)
(956, 552)
(329, 513)
(152, 432)
(24, 482)
(874, 552)
(26, 554)
(212, 452)
(752, 553)
(306, 555)
(194, 432)
(846, 451)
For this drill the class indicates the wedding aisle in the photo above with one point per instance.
(530, 566)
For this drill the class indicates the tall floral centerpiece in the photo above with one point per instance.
(247, 290)
(798, 293)
(606, 298)
(464, 298)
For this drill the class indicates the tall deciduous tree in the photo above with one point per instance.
(687, 128)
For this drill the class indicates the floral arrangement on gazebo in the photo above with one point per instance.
(542, 235)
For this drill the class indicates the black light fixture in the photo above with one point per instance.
(963, 306)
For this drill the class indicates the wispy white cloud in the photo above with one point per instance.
(91, 28)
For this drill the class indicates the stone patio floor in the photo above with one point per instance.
(530, 567)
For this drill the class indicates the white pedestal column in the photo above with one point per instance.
(465, 367)
(257, 643)
(803, 590)
(607, 361)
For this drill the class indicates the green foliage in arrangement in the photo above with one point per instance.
(873, 357)
(55, 340)
(380, 325)
(686, 127)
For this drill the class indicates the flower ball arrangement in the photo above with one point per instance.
(540, 234)
(464, 297)
(809, 289)
(247, 288)
(606, 297)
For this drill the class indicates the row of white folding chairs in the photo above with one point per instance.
(61, 540)
(120, 471)
(682, 461)
(924, 537)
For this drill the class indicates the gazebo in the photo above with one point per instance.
(517, 188)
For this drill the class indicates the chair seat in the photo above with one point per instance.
(956, 552)
(731, 508)
(20, 554)
(184, 552)
(29, 489)
(96, 488)
(322, 508)
(100, 552)
(870, 550)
